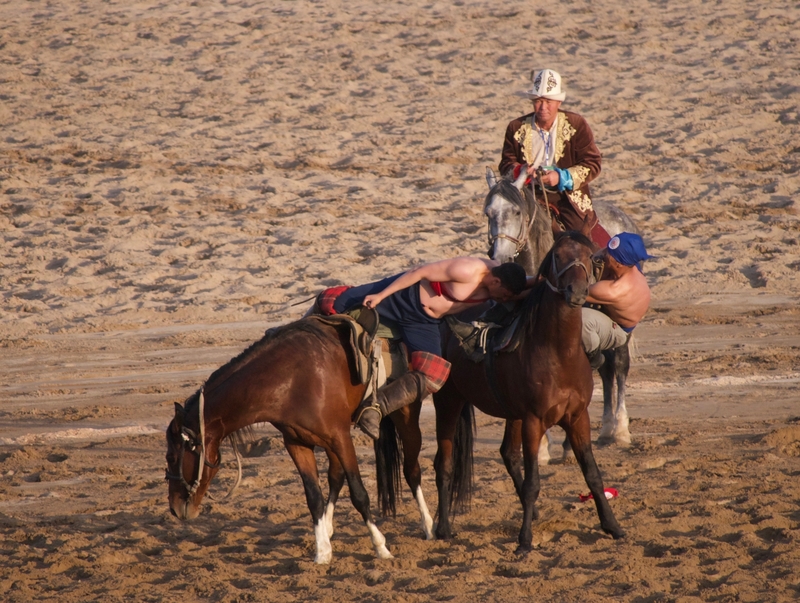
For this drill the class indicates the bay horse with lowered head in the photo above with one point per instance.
(520, 231)
(300, 378)
(546, 381)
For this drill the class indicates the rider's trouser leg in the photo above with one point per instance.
(427, 375)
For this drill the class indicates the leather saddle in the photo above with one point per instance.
(496, 330)
(374, 344)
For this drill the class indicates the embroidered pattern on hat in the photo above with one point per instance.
(551, 81)
(613, 243)
(538, 81)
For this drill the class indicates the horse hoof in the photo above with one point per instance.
(623, 441)
(523, 550)
(603, 440)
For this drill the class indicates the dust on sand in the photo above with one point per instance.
(175, 175)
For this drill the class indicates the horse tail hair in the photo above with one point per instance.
(463, 444)
(387, 467)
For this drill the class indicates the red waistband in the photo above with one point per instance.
(439, 290)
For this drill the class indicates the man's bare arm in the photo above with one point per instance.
(605, 292)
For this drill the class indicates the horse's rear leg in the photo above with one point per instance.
(622, 434)
(335, 482)
(511, 453)
(343, 448)
(532, 433)
(579, 435)
(614, 372)
(406, 421)
(606, 372)
(449, 417)
(303, 457)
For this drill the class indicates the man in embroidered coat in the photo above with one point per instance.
(560, 143)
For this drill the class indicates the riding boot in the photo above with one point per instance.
(597, 359)
(395, 395)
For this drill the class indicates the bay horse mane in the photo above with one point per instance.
(271, 337)
(533, 299)
(228, 370)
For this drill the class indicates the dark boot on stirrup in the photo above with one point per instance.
(399, 393)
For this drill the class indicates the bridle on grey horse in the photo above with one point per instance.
(521, 239)
(192, 442)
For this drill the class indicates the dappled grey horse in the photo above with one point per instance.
(520, 231)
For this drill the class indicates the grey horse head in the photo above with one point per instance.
(519, 229)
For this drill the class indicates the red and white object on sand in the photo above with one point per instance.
(609, 492)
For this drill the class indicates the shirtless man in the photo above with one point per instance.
(416, 301)
(622, 291)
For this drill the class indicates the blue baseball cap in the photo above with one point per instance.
(628, 249)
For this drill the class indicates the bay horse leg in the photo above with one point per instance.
(579, 434)
(406, 421)
(343, 448)
(622, 434)
(511, 453)
(544, 449)
(306, 463)
(335, 482)
(607, 373)
(532, 432)
(448, 414)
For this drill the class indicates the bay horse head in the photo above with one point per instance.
(567, 268)
(519, 227)
(189, 471)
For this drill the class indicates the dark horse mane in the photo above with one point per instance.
(534, 298)
(271, 336)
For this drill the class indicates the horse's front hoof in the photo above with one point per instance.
(604, 440)
(616, 532)
(523, 549)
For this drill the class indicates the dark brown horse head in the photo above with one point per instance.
(189, 471)
(567, 269)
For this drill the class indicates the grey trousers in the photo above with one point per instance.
(600, 332)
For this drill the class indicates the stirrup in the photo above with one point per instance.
(369, 428)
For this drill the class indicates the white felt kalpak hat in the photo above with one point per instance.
(546, 84)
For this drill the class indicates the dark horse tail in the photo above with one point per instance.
(387, 467)
(463, 442)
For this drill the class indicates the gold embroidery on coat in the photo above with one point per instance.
(581, 201)
(564, 132)
(524, 136)
(579, 175)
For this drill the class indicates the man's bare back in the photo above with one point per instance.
(622, 291)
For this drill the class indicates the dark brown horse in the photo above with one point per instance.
(546, 381)
(520, 231)
(299, 378)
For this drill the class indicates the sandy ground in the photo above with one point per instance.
(175, 176)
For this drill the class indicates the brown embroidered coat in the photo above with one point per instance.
(575, 151)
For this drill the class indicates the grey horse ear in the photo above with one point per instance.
(491, 177)
(523, 176)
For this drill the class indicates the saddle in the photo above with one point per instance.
(374, 345)
(496, 330)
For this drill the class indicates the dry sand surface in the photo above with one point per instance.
(174, 175)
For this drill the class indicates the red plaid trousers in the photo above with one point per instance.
(435, 368)
(326, 298)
